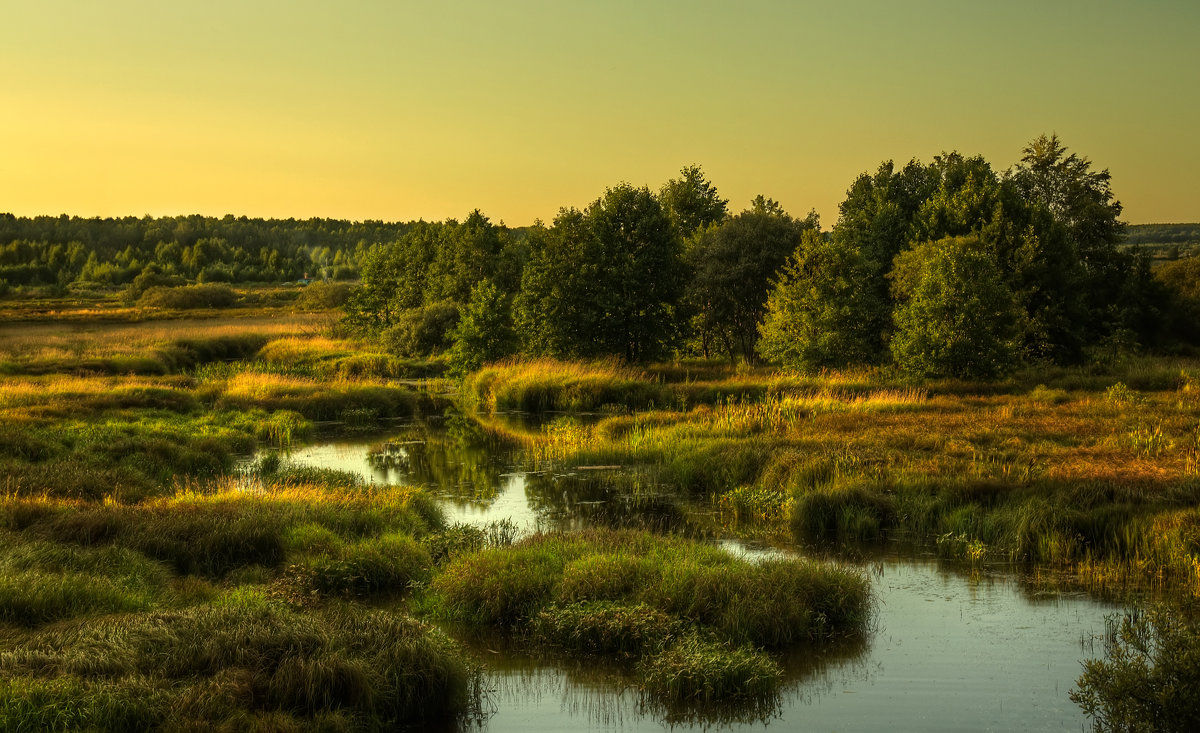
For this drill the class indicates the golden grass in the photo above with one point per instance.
(54, 340)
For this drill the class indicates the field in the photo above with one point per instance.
(147, 581)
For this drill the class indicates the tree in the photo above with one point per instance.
(605, 281)
(955, 317)
(1081, 202)
(691, 201)
(485, 332)
(819, 314)
(1037, 262)
(733, 265)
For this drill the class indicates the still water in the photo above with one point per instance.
(950, 650)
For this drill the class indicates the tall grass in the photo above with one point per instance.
(243, 662)
(1071, 467)
(775, 603)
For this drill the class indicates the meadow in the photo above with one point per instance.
(147, 581)
(1090, 471)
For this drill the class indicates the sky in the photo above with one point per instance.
(399, 110)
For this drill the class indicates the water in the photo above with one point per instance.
(950, 650)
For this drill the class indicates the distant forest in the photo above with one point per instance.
(1162, 234)
(948, 268)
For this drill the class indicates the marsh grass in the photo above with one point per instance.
(692, 617)
(698, 670)
(1069, 467)
(241, 662)
(793, 601)
(150, 347)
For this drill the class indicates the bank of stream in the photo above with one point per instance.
(952, 648)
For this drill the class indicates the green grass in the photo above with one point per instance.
(1094, 470)
(242, 662)
(776, 603)
(696, 670)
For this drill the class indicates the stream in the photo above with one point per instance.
(951, 648)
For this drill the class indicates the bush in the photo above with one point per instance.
(214, 295)
(422, 331)
(1150, 677)
(955, 316)
(323, 296)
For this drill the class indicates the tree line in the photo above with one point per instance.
(48, 253)
(947, 268)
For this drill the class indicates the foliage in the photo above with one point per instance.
(432, 263)
(955, 315)
(323, 295)
(1149, 679)
(605, 281)
(422, 331)
(733, 264)
(484, 333)
(819, 313)
(692, 202)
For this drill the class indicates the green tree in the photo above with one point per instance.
(955, 316)
(691, 201)
(485, 331)
(819, 314)
(1035, 259)
(606, 281)
(733, 265)
(1119, 300)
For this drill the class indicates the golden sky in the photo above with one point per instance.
(402, 110)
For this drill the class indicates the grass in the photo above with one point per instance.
(795, 601)
(243, 662)
(226, 608)
(1095, 470)
(693, 617)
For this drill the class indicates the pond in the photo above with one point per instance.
(950, 649)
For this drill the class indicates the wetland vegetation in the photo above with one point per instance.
(960, 370)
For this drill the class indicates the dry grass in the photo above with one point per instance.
(52, 341)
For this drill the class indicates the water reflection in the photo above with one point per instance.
(950, 649)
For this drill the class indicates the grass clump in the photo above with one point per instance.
(605, 627)
(384, 565)
(776, 603)
(699, 670)
(42, 582)
(242, 662)
(213, 534)
(855, 512)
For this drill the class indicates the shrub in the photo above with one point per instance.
(422, 331)
(323, 296)
(955, 316)
(214, 295)
(1149, 679)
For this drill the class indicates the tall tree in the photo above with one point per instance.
(1120, 302)
(819, 314)
(733, 265)
(691, 201)
(604, 281)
